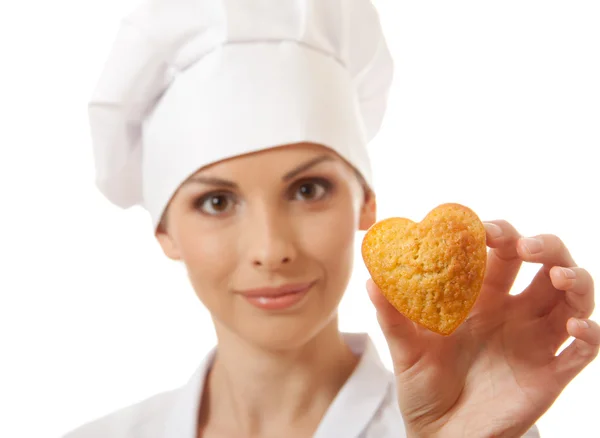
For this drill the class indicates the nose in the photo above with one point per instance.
(271, 240)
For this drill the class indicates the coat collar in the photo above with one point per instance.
(348, 415)
(362, 395)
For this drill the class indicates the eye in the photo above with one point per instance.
(215, 204)
(312, 190)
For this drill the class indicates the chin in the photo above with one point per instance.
(281, 329)
(283, 332)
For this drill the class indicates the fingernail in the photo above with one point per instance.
(532, 246)
(568, 273)
(493, 230)
(582, 324)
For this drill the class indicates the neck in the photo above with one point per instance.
(255, 389)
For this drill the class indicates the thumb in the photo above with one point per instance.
(401, 334)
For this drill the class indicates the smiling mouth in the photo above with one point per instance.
(278, 298)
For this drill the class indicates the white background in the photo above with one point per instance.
(495, 105)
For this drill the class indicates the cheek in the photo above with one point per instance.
(328, 238)
(209, 257)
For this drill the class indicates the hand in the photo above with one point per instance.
(498, 372)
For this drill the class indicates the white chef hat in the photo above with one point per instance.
(192, 82)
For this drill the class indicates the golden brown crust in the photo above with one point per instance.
(430, 271)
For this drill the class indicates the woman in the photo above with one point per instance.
(242, 129)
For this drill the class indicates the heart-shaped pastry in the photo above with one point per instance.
(431, 271)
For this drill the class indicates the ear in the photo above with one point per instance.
(368, 213)
(167, 243)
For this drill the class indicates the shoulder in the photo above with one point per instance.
(124, 423)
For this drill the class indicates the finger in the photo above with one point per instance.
(541, 295)
(557, 298)
(578, 289)
(503, 261)
(570, 297)
(546, 249)
(502, 237)
(554, 293)
(400, 333)
(580, 353)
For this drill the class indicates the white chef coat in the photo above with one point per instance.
(365, 407)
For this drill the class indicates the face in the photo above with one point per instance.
(268, 240)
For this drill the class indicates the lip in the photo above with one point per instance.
(277, 298)
(276, 291)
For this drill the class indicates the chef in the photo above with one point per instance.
(242, 127)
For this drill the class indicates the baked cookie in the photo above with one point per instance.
(431, 271)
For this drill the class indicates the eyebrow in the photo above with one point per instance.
(212, 181)
(209, 180)
(304, 167)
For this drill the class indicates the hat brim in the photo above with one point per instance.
(243, 98)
